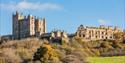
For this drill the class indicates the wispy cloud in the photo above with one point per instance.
(31, 6)
(104, 22)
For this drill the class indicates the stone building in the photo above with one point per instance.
(55, 36)
(96, 33)
(25, 26)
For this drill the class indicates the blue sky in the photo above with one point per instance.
(65, 14)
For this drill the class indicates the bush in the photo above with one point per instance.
(113, 52)
(105, 45)
(46, 54)
(9, 56)
(20, 50)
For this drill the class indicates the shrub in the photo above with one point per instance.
(9, 56)
(117, 45)
(46, 54)
(105, 45)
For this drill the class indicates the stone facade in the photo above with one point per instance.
(25, 26)
(59, 36)
(59, 33)
(55, 36)
(96, 33)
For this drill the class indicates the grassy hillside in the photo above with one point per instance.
(76, 50)
(116, 59)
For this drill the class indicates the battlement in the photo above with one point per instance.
(59, 33)
(26, 17)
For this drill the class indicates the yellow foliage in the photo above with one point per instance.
(46, 53)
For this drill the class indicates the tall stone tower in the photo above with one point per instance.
(40, 26)
(17, 18)
(25, 26)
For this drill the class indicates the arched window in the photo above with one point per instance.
(83, 35)
(102, 36)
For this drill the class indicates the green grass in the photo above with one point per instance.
(116, 59)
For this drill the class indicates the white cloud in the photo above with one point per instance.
(104, 22)
(31, 6)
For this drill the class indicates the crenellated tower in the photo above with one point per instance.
(25, 26)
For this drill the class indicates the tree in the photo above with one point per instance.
(119, 36)
(46, 54)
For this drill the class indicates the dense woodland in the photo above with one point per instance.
(76, 50)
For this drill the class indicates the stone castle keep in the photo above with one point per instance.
(96, 33)
(25, 26)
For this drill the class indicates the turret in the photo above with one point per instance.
(44, 25)
(80, 27)
(17, 13)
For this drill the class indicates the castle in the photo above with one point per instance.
(96, 33)
(25, 26)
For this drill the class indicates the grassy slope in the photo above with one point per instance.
(117, 59)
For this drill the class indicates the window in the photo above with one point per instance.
(102, 32)
(89, 31)
(106, 33)
(111, 37)
(96, 32)
(83, 35)
(102, 37)
(79, 35)
(96, 36)
(89, 36)
(106, 37)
